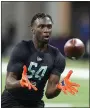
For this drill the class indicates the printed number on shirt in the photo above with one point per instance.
(34, 73)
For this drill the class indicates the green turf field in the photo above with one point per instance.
(80, 100)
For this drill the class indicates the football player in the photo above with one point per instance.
(31, 65)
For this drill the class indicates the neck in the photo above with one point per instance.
(39, 45)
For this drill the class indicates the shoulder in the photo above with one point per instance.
(59, 61)
(56, 53)
(24, 43)
(54, 50)
(21, 48)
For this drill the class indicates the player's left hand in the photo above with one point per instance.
(66, 85)
(24, 82)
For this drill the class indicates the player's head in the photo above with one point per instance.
(41, 25)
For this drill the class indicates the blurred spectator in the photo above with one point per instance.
(8, 36)
(84, 31)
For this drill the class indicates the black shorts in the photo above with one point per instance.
(8, 101)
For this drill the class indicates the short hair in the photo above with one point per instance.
(40, 15)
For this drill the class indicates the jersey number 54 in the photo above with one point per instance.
(34, 73)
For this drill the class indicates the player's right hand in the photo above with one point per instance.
(24, 82)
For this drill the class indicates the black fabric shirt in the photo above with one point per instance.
(39, 64)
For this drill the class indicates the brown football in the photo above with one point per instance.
(74, 48)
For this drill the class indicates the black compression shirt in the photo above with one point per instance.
(39, 64)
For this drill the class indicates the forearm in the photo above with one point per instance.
(12, 83)
(52, 92)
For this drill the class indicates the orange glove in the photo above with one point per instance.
(67, 85)
(24, 82)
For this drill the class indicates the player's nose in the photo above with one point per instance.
(46, 31)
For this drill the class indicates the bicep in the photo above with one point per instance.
(16, 61)
(14, 69)
(59, 64)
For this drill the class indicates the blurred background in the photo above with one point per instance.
(71, 19)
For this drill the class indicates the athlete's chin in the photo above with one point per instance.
(45, 41)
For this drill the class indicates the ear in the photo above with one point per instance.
(32, 29)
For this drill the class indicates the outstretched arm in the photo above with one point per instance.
(15, 77)
(51, 90)
(58, 68)
(54, 87)
(13, 82)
